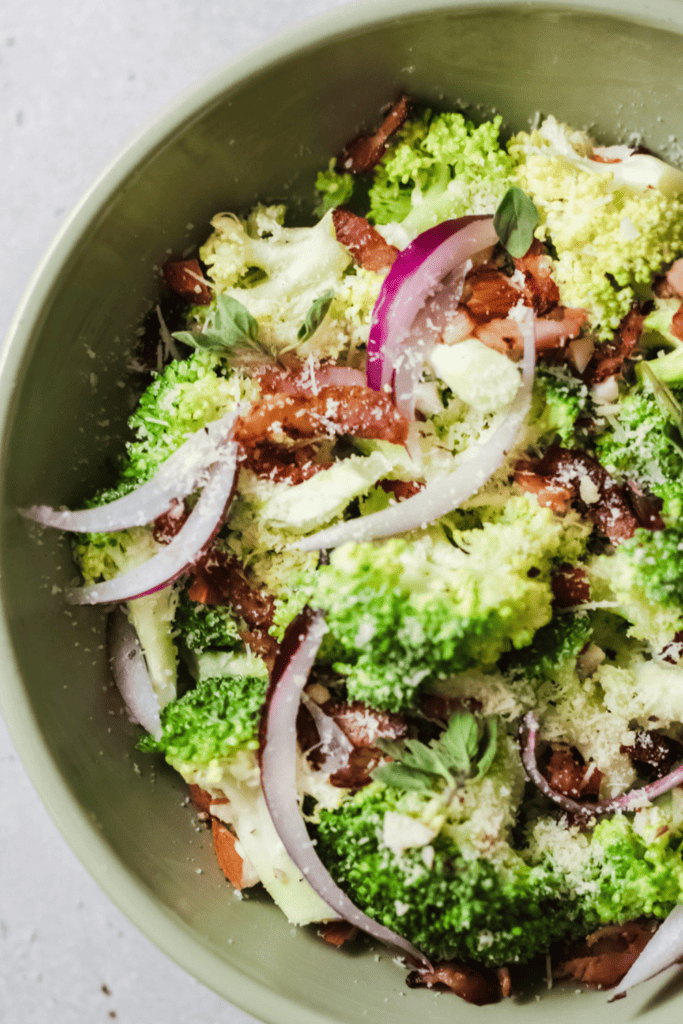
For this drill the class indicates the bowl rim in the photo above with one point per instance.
(129, 894)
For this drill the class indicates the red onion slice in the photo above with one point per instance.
(414, 276)
(185, 548)
(663, 950)
(278, 777)
(449, 491)
(180, 474)
(630, 801)
(130, 673)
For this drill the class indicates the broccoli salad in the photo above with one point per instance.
(395, 546)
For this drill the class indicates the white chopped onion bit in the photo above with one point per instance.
(663, 950)
(185, 548)
(130, 673)
(178, 476)
(449, 491)
(278, 778)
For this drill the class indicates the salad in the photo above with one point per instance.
(395, 548)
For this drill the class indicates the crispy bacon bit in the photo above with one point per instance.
(677, 323)
(674, 278)
(229, 860)
(219, 578)
(568, 773)
(654, 753)
(573, 471)
(358, 411)
(364, 242)
(602, 960)
(608, 359)
(365, 151)
(336, 933)
(646, 508)
(201, 799)
(489, 293)
(540, 290)
(552, 332)
(185, 277)
(472, 983)
(167, 525)
(570, 586)
(291, 465)
(401, 489)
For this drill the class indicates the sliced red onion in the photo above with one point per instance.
(449, 491)
(278, 778)
(630, 801)
(663, 950)
(185, 548)
(130, 673)
(334, 743)
(413, 278)
(179, 475)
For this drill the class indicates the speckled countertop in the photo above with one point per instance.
(78, 78)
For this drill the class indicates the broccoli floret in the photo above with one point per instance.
(645, 576)
(554, 646)
(213, 722)
(204, 626)
(334, 189)
(184, 397)
(405, 609)
(503, 910)
(641, 446)
(559, 400)
(437, 167)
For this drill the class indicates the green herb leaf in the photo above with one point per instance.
(515, 220)
(486, 759)
(230, 326)
(399, 776)
(460, 741)
(315, 316)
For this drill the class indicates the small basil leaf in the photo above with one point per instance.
(515, 220)
(460, 741)
(315, 316)
(234, 321)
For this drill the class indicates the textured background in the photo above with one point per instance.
(78, 78)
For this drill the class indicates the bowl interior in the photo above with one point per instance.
(261, 130)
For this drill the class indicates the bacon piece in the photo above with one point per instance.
(201, 799)
(563, 470)
(185, 277)
(602, 960)
(552, 332)
(229, 860)
(570, 586)
(365, 151)
(677, 323)
(474, 984)
(489, 293)
(219, 578)
(401, 489)
(364, 242)
(569, 774)
(540, 290)
(274, 462)
(674, 278)
(654, 753)
(646, 508)
(358, 411)
(608, 359)
(336, 933)
(169, 523)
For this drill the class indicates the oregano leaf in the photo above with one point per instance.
(515, 221)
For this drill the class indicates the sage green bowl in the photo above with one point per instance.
(259, 130)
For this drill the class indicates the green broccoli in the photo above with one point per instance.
(184, 397)
(554, 646)
(501, 910)
(657, 337)
(645, 577)
(203, 626)
(334, 188)
(559, 401)
(642, 446)
(212, 722)
(437, 167)
(406, 609)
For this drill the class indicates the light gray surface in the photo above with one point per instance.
(78, 79)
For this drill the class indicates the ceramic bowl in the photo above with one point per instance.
(258, 130)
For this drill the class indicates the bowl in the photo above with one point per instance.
(259, 130)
